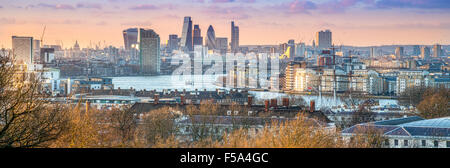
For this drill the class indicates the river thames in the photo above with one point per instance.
(202, 82)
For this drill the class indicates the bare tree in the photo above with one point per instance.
(26, 118)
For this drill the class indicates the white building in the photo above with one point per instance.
(409, 132)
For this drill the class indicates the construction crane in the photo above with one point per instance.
(42, 36)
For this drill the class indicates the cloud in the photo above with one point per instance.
(144, 7)
(420, 4)
(237, 12)
(153, 7)
(228, 1)
(89, 6)
(4, 21)
(296, 6)
(55, 6)
(101, 23)
(137, 23)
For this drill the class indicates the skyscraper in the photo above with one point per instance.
(198, 39)
(130, 37)
(172, 43)
(300, 49)
(291, 44)
(416, 50)
(324, 39)
(149, 47)
(234, 45)
(222, 44)
(372, 52)
(425, 52)
(186, 35)
(399, 52)
(437, 50)
(22, 48)
(211, 38)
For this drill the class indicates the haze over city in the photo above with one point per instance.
(353, 22)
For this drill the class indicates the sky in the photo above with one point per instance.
(261, 22)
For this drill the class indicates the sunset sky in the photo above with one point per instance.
(353, 22)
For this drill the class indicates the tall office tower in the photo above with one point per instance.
(234, 45)
(324, 39)
(211, 38)
(291, 44)
(130, 37)
(36, 50)
(47, 55)
(399, 53)
(416, 50)
(186, 35)
(425, 52)
(372, 52)
(300, 49)
(198, 39)
(22, 48)
(149, 58)
(437, 50)
(222, 44)
(172, 43)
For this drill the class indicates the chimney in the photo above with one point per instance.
(312, 106)
(182, 99)
(249, 100)
(266, 105)
(286, 102)
(273, 103)
(156, 98)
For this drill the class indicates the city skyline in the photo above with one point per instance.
(353, 22)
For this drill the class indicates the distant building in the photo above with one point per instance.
(172, 43)
(399, 52)
(88, 84)
(222, 44)
(324, 39)
(47, 55)
(367, 81)
(186, 35)
(300, 50)
(410, 79)
(149, 46)
(305, 79)
(409, 132)
(416, 50)
(210, 38)
(425, 52)
(291, 44)
(328, 82)
(234, 44)
(198, 39)
(22, 48)
(437, 50)
(130, 37)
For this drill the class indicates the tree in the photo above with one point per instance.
(412, 96)
(123, 123)
(27, 119)
(434, 105)
(159, 126)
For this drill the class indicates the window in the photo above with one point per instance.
(386, 142)
(436, 144)
(424, 143)
(396, 142)
(448, 144)
(405, 142)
